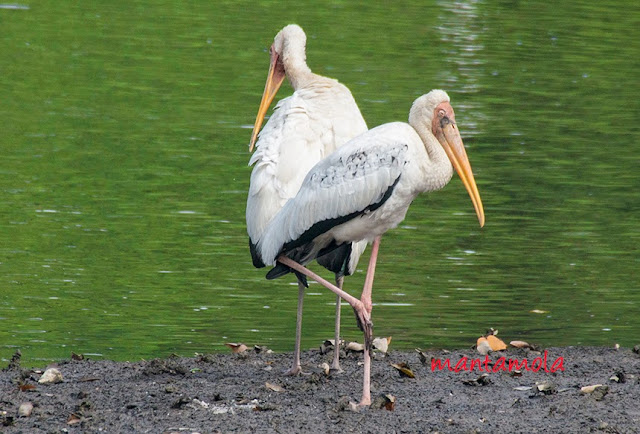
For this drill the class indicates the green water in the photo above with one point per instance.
(123, 173)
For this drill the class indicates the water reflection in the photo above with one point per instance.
(460, 29)
(125, 177)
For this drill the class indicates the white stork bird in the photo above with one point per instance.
(364, 189)
(304, 128)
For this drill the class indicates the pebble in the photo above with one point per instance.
(25, 409)
(51, 376)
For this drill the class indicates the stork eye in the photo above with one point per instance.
(441, 113)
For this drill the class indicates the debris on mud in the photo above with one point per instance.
(247, 392)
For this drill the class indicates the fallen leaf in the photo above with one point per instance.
(73, 419)
(328, 345)
(325, 368)
(519, 344)
(381, 344)
(75, 356)
(354, 346)
(422, 355)
(538, 311)
(266, 407)
(522, 388)
(236, 348)
(590, 389)
(619, 377)
(546, 387)
(482, 380)
(87, 379)
(385, 400)
(496, 343)
(274, 387)
(403, 369)
(26, 387)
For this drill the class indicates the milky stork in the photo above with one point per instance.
(320, 116)
(364, 189)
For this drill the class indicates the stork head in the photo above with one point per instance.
(436, 111)
(288, 44)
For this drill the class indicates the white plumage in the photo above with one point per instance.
(320, 116)
(342, 187)
(364, 189)
(295, 138)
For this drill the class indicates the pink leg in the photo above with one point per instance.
(361, 307)
(367, 327)
(361, 313)
(296, 368)
(335, 365)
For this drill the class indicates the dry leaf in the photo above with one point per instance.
(325, 368)
(619, 377)
(354, 346)
(381, 344)
(26, 387)
(538, 311)
(522, 388)
(404, 370)
(385, 400)
(274, 387)
(546, 387)
(519, 344)
(496, 343)
(73, 419)
(590, 389)
(236, 348)
(482, 380)
(75, 356)
(422, 355)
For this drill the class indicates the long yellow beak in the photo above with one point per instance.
(449, 138)
(274, 81)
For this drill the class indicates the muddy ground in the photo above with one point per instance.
(248, 393)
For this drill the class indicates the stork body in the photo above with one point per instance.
(304, 128)
(364, 189)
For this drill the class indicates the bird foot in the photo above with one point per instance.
(294, 371)
(360, 405)
(335, 368)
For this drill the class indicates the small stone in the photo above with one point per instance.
(25, 409)
(51, 376)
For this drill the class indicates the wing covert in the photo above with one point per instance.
(342, 186)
